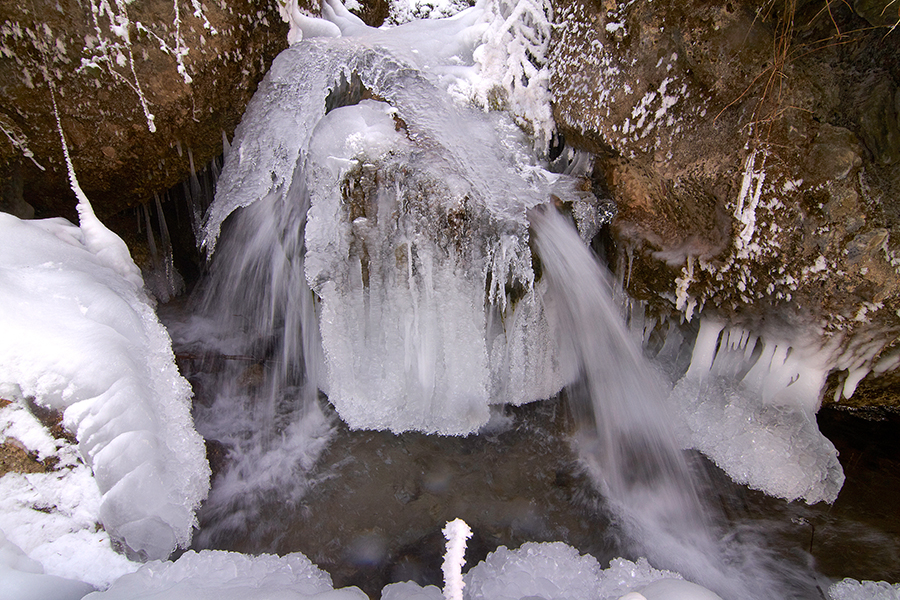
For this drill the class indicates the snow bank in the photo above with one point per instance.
(217, 575)
(52, 516)
(749, 404)
(81, 338)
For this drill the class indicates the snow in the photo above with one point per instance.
(80, 337)
(24, 578)
(749, 404)
(53, 516)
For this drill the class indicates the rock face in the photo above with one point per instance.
(754, 154)
(193, 71)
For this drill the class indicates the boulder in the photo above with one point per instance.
(752, 153)
(140, 92)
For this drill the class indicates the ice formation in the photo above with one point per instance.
(457, 533)
(415, 240)
(80, 337)
(851, 589)
(556, 571)
(217, 575)
(749, 404)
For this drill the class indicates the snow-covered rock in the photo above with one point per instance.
(82, 339)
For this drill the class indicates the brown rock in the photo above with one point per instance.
(751, 153)
(118, 160)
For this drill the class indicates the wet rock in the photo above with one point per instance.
(880, 119)
(880, 13)
(752, 154)
(105, 97)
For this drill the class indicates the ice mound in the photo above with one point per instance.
(851, 589)
(556, 571)
(24, 578)
(217, 575)
(410, 590)
(81, 337)
(415, 243)
(749, 404)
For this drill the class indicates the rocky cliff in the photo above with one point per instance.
(753, 150)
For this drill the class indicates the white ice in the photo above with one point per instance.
(556, 571)
(749, 404)
(80, 337)
(851, 589)
(217, 575)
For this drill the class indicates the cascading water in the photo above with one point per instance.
(375, 246)
(631, 449)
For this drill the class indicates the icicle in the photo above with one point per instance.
(173, 281)
(705, 348)
(194, 194)
(151, 238)
(457, 533)
(226, 147)
(106, 245)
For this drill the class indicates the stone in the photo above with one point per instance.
(752, 156)
(119, 161)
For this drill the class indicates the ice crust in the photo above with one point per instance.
(82, 338)
(851, 589)
(218, 575)
(749, 404)
(556, 571)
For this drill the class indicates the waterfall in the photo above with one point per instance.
(630, 446)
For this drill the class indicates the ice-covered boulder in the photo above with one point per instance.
(81, 338)
(731, 197)
(416, 240)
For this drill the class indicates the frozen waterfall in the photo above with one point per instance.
(390, 221)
